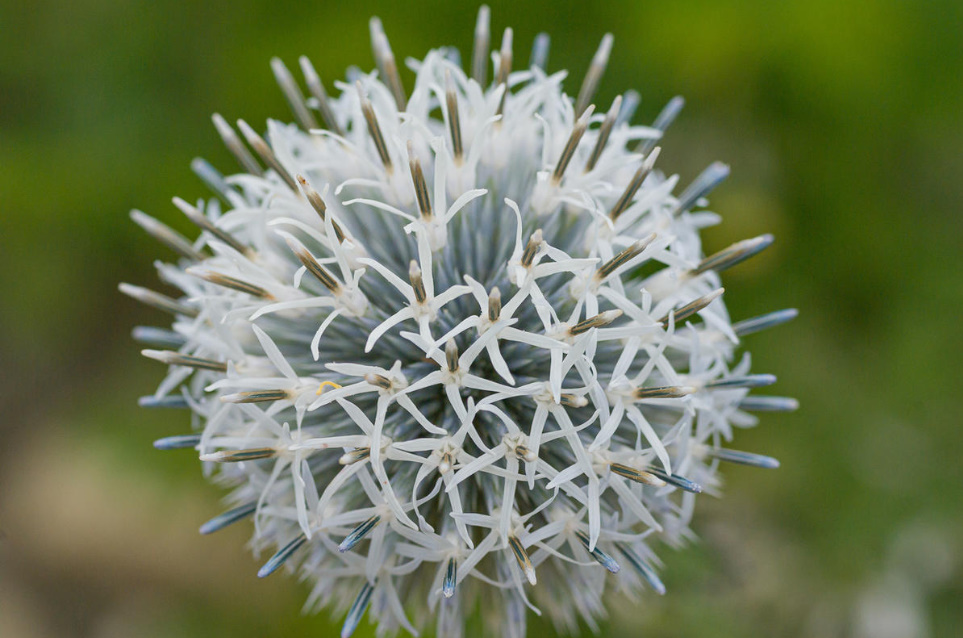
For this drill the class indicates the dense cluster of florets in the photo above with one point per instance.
(456, 348)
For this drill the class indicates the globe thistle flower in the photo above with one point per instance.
(456, 347)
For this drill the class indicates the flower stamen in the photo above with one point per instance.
(266, 154)
(604, 131)
(374, 130)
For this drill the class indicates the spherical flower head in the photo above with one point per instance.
(459, 349)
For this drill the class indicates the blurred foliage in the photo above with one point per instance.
(842, 123)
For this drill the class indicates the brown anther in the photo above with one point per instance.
(624, 257)
(663, 392)
(451, 355)
(594, 75)
(374, 130)
(316, 87)
(521, 556)
(314, 198)
(378, 380)
(173, 358)
(604, 131)
(684, 312)
(417, 282)
(524, 453)
(732, 255)
(166, 235)
(573, 400)
(639, 476)
(321, 273)
(626, 199)
(531, 248)
(201, 221)
(494, 304)
(598, 321)
(293, 95)
(235, 146)
(238, 456)
(257, 396)
(385, 60)
(355, 456)
(266, 154)
(454, 122)
(569, 151)
(421, 186)
(226, 281)
(157, 300)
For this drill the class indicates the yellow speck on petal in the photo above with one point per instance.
(330, 384)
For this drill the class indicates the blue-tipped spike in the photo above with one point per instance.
(256, 396)
(603, 559)
(179, 442)
(451, 577)
(748, 381)
(768, 404)
(744, 458)
(662, 122)
(603, 132)
(166, 235)
(353, 74)
(156, 300)
(452, 54)
(239, 456)
(734, 254)
(281, 556)
(212, 178)
(358, 533)
(160, 337)
(682, 313)
(644, 570)
(540, 48)
(170, 401)
(229, 517)
(630, 102)
(701, 186)
(357, 610)
(669, 112)
(765, 321)
(680, 482)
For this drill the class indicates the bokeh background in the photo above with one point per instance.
(842, 124)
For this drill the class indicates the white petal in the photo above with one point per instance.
(386, 325)
(274, 354)
(316, 341)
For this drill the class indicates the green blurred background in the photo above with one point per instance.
(842, 124)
